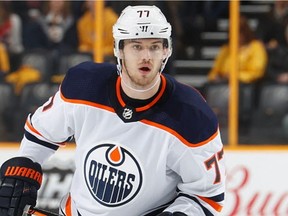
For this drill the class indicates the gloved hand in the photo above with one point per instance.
(20, 179)
(171, 214)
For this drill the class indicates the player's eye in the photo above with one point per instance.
(155, 47)
(137, 47)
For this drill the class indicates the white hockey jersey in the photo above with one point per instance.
(133, 157)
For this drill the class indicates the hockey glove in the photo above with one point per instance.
(20, 179)
(172, 214)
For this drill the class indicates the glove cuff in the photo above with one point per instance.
(24, 169)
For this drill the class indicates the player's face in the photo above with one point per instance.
(142, 59)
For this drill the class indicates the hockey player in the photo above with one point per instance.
(145, 143)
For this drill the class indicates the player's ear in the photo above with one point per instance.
(121, 48)
(121, 53)
(166, 53)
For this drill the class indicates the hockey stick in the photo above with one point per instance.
(30, 210)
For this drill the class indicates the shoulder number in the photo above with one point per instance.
(213, 162)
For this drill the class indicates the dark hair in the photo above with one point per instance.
(66, 10)
(245, 30)
(6, 9)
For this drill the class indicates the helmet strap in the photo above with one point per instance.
(163, 64)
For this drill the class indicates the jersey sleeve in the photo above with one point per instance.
(54, 123)
(48, 128)
(202, 171)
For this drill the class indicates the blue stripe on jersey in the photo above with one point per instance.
(217, 198)
(34, 139)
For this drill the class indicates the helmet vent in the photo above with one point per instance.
(144, 23)
(123, 31)
(163, 30)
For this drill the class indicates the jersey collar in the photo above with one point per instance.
(147, 106)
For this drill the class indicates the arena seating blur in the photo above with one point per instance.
(217, 96)
(40, 60)
(267, 122)
(8, 108)
(33, 95)
(69, 60)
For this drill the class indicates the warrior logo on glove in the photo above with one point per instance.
(20, 171)
(19, 181)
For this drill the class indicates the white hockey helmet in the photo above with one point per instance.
(140, 22)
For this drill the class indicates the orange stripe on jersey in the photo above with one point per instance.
(212, 203)
(146, 107)
(29, 125)
(76, 101)
(38, 214)
(183, 140)
(118, 92)
(68, 207)
(32, 128)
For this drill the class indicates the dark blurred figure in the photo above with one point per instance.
(277, 68)
(271, 27)
(27, 9)
(212, 11)
(54, 28)
(272, 30)
(192, 25)
(195, 18)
